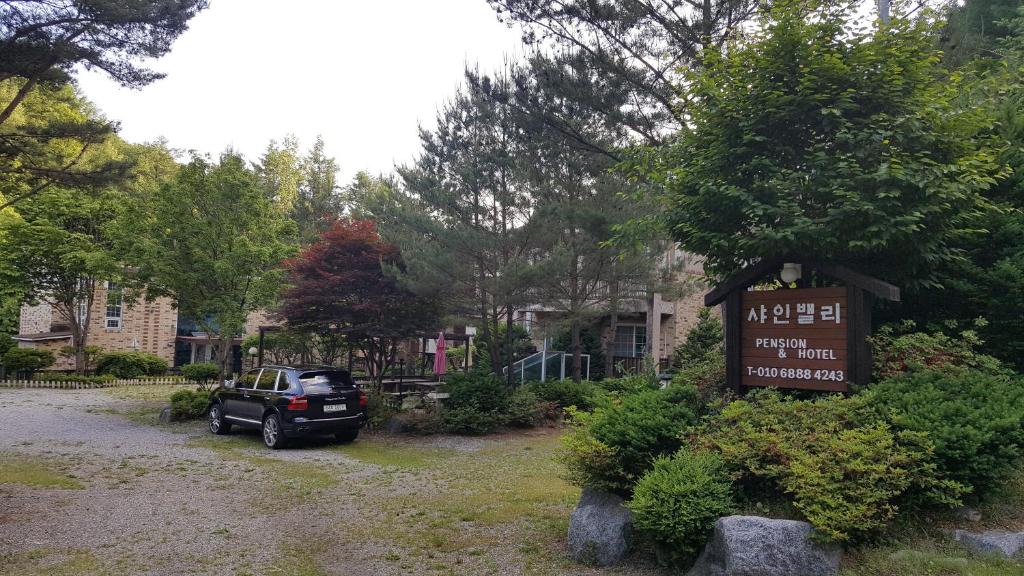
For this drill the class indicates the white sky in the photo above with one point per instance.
(362, 73)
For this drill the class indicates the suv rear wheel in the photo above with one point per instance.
(273, 436)
(218, 425)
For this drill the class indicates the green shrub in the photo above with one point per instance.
(27, 359)
(632, 384)
(200, 372)
(189, 404)
(6, 343)
(89, 355)
(64, 377)
(482, 392)
(566, 393)
(676, 503)
(975, 419)
(897, 349)
(130, 364)
(378, 410)
(616, 445)
(703, 342)
(421, 421)
(708, 376)
(833, 458)
(469, 420)
(524, 409)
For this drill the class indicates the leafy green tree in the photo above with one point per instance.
(62, 248)
(212, 240)
(988, 282)
(41, 44)
(320, 199)
(279, 173)
(816, 138)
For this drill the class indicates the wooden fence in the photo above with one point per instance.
(69, 385)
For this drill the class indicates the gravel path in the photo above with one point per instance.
(153, 504)
(174, 499)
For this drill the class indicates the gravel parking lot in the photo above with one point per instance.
(91, 484)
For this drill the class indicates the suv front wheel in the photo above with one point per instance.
(273, 436)
(217, 423)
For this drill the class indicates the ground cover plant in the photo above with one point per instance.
(614, 446)
(840, 465)
(974, 420)
(676, 503)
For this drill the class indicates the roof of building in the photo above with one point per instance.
(40, 336)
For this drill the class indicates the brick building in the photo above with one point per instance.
(116, 325)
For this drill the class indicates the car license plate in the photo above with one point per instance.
(334, 407)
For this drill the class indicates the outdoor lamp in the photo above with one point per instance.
(252, 351)
(790, 272)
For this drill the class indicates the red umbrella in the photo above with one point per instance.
(440, 358)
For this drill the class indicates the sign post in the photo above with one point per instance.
(808, 338)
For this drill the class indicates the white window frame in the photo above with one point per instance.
(113, 321)
(638, 350)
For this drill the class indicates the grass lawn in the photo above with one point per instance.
(26, 472)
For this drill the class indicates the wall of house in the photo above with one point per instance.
(257, 319)
(145, 326)
(35, 319)
(61, 362)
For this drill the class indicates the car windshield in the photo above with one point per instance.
(324, 382)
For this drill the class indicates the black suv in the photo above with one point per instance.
(288, 402)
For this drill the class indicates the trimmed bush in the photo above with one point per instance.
(130, 364)
(974, 418)
(481, 392)
(27, 359)
(422, 421)
(524, 409)
(833, 458)
(565, 393)
(632, 384)
(63, 377)
(676, 504)
(200, 372)
(471, 421)
(189, 404)
(612, 448)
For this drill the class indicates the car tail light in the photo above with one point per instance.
(298, 403)
(363, 400)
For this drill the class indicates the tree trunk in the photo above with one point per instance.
(508, 346)
(613, 320)
(223, 355)
(577, 352)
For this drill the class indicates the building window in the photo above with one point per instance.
(630, 341)
(115, 302)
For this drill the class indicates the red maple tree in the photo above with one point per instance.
(341, 283)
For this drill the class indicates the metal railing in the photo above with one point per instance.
(547, 364)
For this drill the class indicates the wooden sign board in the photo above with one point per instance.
(796, 338)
